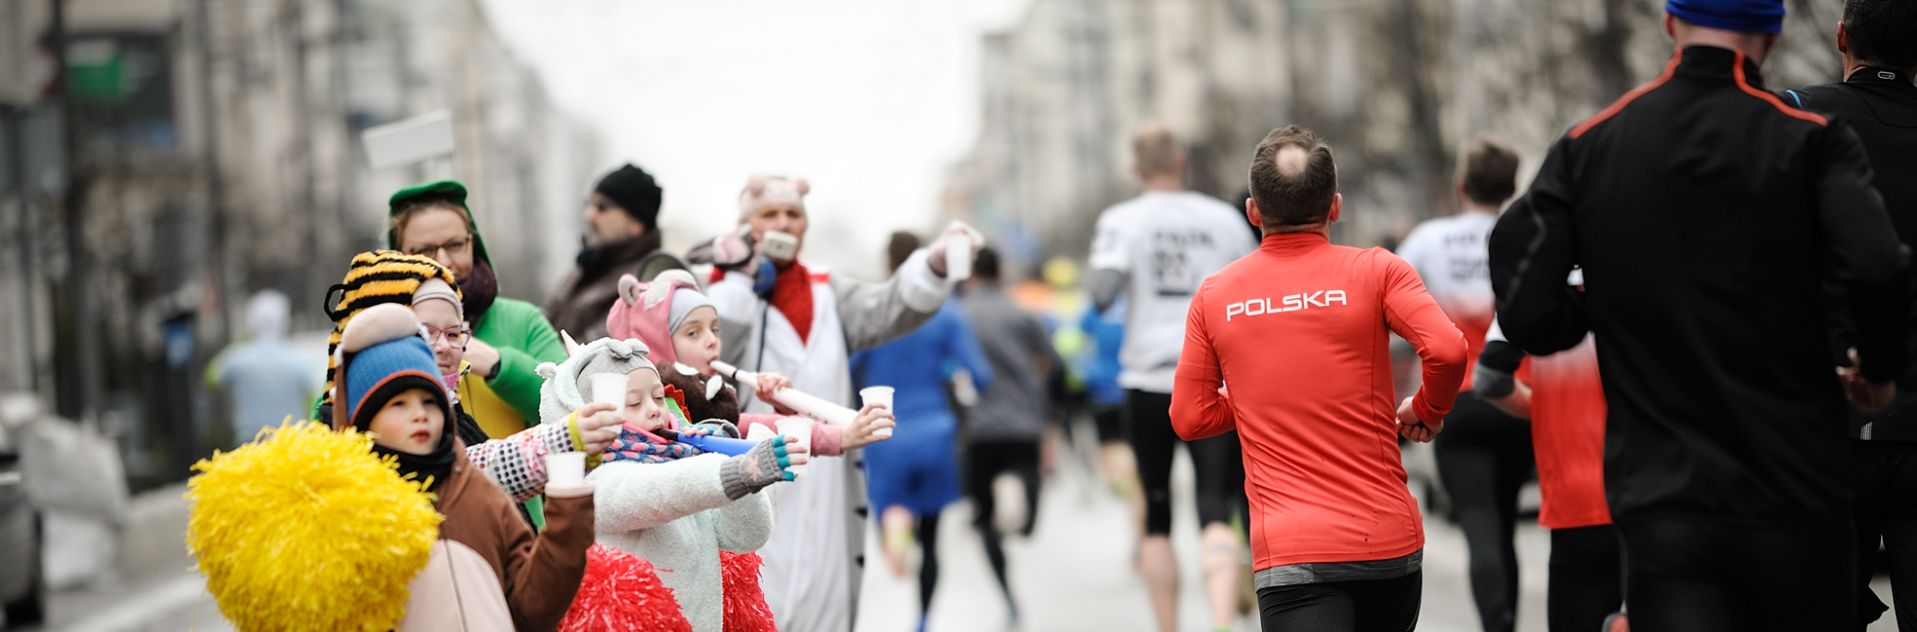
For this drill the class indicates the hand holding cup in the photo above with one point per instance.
(951, 254)
(798, 435)
(880, 396)
(598, 426)
(874, 424)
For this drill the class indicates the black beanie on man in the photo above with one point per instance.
(635, 191)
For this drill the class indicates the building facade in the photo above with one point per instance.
(212, 151)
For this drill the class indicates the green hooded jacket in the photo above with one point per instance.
(516, 328)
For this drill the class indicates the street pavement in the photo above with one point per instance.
(1074, 573)
(156, 587)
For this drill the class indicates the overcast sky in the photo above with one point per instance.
(869, 99)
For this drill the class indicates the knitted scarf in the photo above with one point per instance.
(635, 444)
(478, 289)
(639, 446)
(792, 296)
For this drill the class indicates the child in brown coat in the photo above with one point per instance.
(488, 570)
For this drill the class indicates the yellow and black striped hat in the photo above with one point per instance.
(377, 277)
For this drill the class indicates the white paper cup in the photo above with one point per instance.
(798, 428)
(881, 396)
(958, 257)
(760, 432)
(609, 388)
(565, 469)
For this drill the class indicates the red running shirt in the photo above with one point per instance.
(1567, 432)
(1298, 329)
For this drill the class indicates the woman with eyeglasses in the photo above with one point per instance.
(508, 337)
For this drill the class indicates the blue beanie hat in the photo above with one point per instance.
(1743, 16)
(384, 356)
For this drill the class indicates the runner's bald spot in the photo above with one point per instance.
(1290, 160)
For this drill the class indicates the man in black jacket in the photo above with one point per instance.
(1706, 214)
(622, 230)
(1878, 100)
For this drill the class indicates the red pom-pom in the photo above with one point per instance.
(622, 593)
(746, 610)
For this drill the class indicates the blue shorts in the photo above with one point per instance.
(917, 468)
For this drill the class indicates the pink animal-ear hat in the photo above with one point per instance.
(650, 312)
(765, 190)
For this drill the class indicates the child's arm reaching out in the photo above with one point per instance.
(744, 526)
(543, 572)
(827, 439)
(632, 496)
(517, 462)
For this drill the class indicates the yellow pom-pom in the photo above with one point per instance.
(306, 529)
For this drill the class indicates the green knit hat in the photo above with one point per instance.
(449, 190)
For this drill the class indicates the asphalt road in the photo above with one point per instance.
(1074, 573)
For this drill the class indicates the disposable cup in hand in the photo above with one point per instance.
(958, 257)
(879, 396)
(565, 469)
(609, 388)
(760, 432)
(800, 429)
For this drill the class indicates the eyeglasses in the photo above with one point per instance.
(455, 336)
(453, 246)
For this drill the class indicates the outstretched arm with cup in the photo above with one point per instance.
(745, 525)
(843, 428)
(543, 570)
(876, 313)
(516, 462)
(835, 439)
(632, 495)
(826, 438)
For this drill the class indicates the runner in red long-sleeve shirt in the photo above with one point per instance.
(1299, 328)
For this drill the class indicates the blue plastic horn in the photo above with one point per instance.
(721, 445)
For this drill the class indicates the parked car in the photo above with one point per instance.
(23, 589)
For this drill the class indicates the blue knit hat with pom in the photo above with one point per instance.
(384, 355)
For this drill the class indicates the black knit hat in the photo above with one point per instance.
(635, 191)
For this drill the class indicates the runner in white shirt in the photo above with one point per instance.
(1484, 454)
(1154, 250)
(1450, 255)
